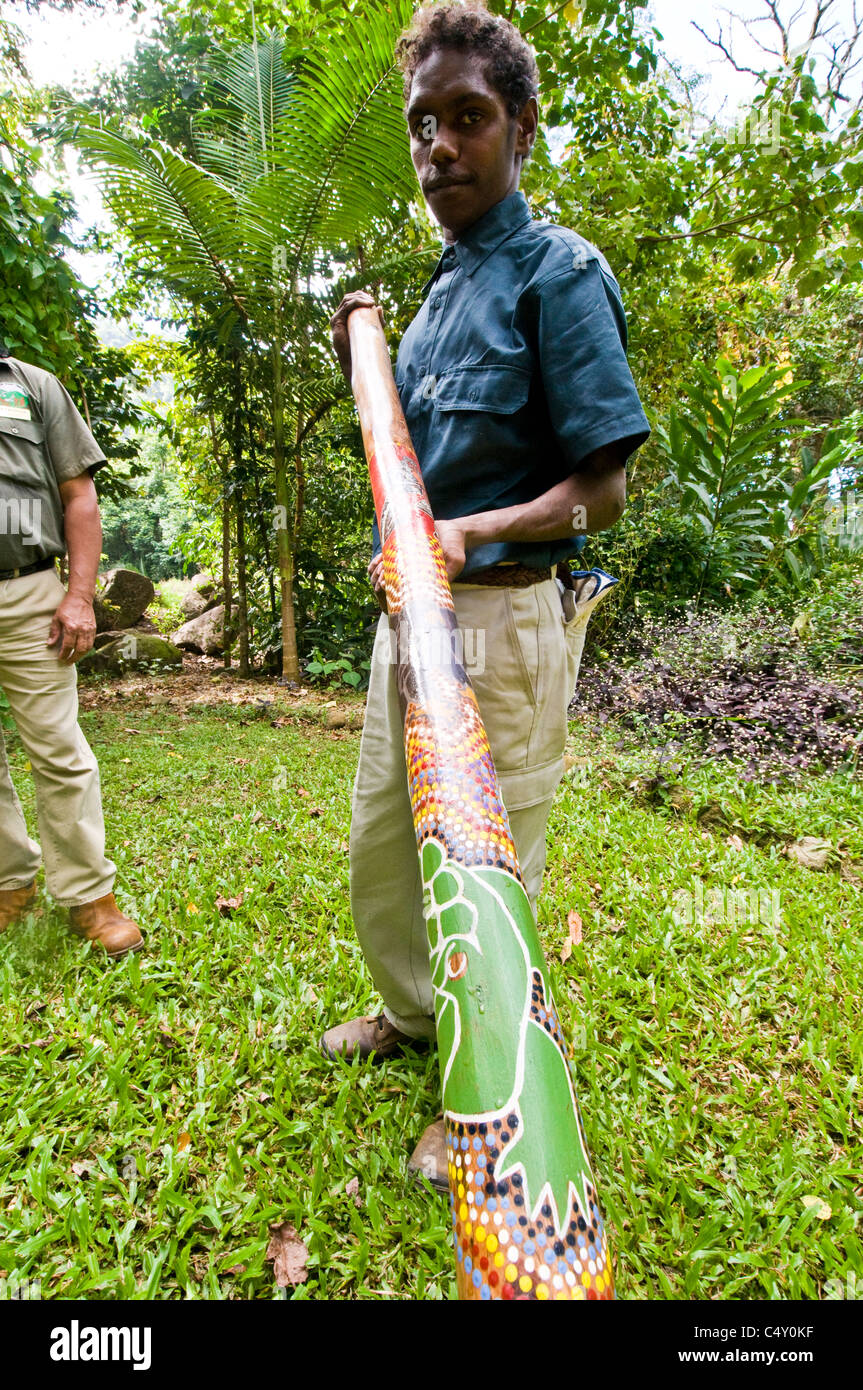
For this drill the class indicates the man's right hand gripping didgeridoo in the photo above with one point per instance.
(357, 299)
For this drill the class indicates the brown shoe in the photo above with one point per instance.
(428, 1160)
(15, 903)
(367, 1036)
(104, 925)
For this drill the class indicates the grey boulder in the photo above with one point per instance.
(202, 596)
(204, 633)
(121, 597)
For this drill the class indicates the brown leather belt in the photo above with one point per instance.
(508, 576)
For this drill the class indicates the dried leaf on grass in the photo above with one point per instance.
(574, 925)
(289, 1256)
(352, 1187)
(812, 852)
(822, 1210)
(228, 905)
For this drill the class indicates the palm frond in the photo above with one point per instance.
(343, 145)
(252, 90)
(294, 166)
(181, 214)
(412, 267)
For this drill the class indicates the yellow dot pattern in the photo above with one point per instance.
(503, 1251)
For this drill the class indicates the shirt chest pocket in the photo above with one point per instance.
(22, 452)
(498, 390)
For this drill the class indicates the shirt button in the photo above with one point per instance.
(473, 395)
(437, 302)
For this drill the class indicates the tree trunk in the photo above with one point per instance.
(226, 570)
(290, 656)
(299, 481)
(284, 538)
(242, 593)
(226, 538)
(259, 512)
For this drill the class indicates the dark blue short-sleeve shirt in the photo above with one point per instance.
(514, 370)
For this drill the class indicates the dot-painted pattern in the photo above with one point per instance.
(452, 783)
(543, 1010)
(503, 1250)
(453, 786)
(414, 567)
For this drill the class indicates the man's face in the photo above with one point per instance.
(466, 148)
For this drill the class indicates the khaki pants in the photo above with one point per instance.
(531, 659)
(42, 694)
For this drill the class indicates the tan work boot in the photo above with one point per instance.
(367, 1036)
(15, 903)
(104, 925)
(428, 1159)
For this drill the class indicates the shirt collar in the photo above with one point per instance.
(482, 238)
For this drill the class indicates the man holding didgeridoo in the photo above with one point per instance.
(516, 390)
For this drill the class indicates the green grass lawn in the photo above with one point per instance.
(159, 1113)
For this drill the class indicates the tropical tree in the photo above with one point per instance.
(298, 156)
(47, 315)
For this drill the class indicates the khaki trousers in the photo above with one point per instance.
(42, 694)
(522, 656)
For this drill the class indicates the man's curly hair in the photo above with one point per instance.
(468, 26)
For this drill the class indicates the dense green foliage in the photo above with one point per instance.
(146, 529)
(47, 316)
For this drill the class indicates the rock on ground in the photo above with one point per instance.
(130, 651)
(203, 595)
(205, 585)
(204, 633)
(121, 597)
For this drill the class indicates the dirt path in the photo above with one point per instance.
(204, 682)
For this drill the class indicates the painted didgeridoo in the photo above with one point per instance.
(524, 1206)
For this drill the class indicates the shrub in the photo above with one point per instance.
(658, 555)
(737, 685)
(166, 609)
(830, 626)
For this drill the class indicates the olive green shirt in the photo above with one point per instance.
(43, 442)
